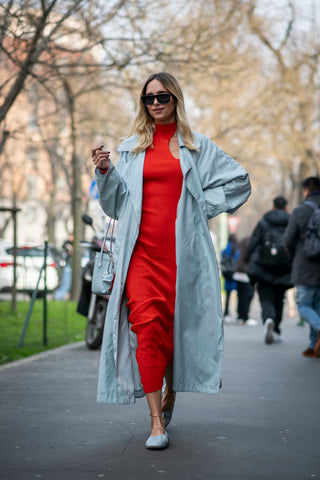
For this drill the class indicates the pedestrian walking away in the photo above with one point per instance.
(164, 318)
(305, 270)
(270, 267)
(229, 259)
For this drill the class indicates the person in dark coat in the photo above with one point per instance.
(305, 272)
(272, 280)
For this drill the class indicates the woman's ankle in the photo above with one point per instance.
(157, 424)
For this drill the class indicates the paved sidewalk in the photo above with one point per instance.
(263, 425)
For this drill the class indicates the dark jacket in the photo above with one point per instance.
(304, 270)
(274, 219)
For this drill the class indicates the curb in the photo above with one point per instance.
(38, 356)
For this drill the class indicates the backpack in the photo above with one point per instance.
(311, 244)
(274, 256)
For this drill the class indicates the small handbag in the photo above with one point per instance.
(103, 270)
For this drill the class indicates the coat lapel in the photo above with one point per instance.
(189, 170)
(133, 174)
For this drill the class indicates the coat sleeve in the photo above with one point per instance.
(225, 183)
(112, 191)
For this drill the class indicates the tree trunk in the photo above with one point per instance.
(51, 217)
(76, 196)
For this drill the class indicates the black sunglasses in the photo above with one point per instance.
(161, 98)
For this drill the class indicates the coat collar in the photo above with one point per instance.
(129, 143)
(134, 179)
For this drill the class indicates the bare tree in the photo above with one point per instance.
(52, 43)
(293, 104)
(251, 86)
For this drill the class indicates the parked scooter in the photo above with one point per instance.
(92, 306)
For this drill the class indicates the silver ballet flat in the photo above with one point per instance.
(157, 442)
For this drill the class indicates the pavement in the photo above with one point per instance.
(263, 425)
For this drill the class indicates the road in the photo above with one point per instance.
(263, 425)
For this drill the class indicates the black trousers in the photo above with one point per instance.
(245, 295)
(271, 300)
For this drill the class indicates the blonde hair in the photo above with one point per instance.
(143, 125)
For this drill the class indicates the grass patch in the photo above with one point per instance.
(64, 326)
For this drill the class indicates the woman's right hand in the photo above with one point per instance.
(100, 157)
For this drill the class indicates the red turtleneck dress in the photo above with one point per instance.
(151, 278)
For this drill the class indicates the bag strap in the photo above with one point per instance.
(110, 224)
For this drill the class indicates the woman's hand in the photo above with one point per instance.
(100, 157)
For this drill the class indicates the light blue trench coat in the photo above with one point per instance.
(212, 183)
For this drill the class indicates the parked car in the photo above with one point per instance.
(30, 258)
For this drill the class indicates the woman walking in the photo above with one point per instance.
(164, 316)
